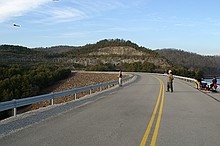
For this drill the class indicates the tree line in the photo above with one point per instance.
(146, 67)
(128, 67)
(18, 81)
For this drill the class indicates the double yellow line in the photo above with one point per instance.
(156, 129)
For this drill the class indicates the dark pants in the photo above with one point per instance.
(170, 86)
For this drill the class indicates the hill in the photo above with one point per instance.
(55, 49)
(14, 54)
(210, 65)
(110, 54)
(115, 52)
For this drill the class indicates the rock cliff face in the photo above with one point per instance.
(117, 60)
(127, 51)
(117, 55)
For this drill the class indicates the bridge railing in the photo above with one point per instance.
(15, 103)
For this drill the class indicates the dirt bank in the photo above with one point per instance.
(76, 80)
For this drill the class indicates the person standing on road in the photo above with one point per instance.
(120, 78)
(170, 81)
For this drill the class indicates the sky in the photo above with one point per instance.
(189, 25)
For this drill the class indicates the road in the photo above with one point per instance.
(138, 113)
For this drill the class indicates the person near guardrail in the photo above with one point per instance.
(213, 84)
(198, 82)
(120, 78)
(170, 81)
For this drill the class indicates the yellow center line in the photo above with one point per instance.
(146, 134)
(156, 130)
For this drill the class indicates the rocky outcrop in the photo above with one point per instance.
(126, 51)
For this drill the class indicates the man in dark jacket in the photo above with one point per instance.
(170, 81)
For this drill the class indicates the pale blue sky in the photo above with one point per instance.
(189, 25)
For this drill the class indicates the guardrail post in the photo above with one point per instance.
(15, 108)
(75, 96)
(52, 100)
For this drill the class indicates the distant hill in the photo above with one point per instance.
(55, 49)
(113, 54)
(15, 50)
(210, 65)
(13, 54)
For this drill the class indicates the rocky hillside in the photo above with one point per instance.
(112, 54)
(126, 51)
(116, 55)
(115, 52)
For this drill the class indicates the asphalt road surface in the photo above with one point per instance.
(138, 113)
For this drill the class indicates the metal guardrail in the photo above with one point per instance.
(15, 103)
(185, 78)
(182, 78)
(196, 82)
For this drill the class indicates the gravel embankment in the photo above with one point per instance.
(76, 80)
